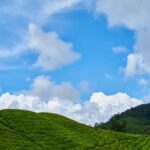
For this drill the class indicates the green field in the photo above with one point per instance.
(24, 130)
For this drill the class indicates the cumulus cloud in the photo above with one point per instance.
(18, 15)
(135, 16)
(98, 108)
(45, 89)
(19, 102)
(52, 51)
(136, 65)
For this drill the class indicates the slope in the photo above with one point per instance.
(25, 130)
(134, 120)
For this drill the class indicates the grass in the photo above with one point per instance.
(25, 130)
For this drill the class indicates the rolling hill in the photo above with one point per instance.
(25, 130)
(134, 120)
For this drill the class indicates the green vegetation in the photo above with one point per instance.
(135, 120)
(24, 130)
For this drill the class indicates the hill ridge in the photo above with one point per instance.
(47, 131)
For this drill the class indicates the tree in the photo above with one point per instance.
(146, 129)
(117, 125)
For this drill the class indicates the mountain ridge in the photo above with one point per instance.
(134, 120)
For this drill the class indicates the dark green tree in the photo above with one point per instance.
(118, 125)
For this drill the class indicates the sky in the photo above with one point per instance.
(84, 59)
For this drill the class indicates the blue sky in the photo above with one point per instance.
(86, 44)
(93, 39)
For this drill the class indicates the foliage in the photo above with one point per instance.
(134, 120)
(25, 130)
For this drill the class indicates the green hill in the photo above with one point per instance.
(24, 130)
(135, 120)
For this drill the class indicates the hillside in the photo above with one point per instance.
(24, 130)
(135, 120)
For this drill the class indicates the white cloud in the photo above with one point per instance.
(29, 10)
(19, 14)
(135, 16)
(120, 49)
(136, 65)
(56, 6)
(99, 108)
(46, 89)
(52, 52)
(20, 102)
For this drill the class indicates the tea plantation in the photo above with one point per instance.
(25, 130)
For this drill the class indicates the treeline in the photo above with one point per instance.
(134, 120)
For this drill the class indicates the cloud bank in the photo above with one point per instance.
(52, 53)
(47, 96)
